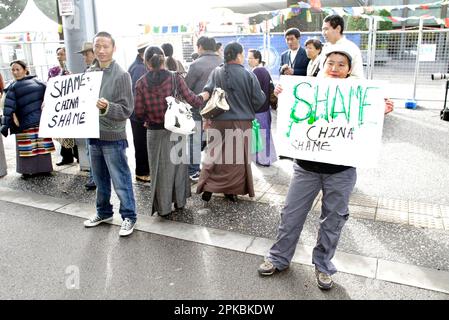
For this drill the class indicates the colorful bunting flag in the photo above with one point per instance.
(392, 19)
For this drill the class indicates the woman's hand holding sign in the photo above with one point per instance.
(278, 90)
(389, 105)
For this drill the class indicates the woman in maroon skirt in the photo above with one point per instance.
(226, 167)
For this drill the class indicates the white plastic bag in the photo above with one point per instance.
(178, 117)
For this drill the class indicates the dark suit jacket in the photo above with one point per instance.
(300, 63)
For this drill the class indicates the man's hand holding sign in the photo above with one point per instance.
(69, 111)
(102, 104)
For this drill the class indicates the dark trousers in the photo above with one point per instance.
(140, 147)
(68, 154)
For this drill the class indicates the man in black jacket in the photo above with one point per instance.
(136, 71)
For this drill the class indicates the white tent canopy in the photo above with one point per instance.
(31, 20)
(175, 12)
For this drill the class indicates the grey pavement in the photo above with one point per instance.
(398, 233)
(48, 255)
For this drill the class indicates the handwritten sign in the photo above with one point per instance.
(70, 106)
(338, 121)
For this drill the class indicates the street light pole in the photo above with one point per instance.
(79, 23)
(415, 78)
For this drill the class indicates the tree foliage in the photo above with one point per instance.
(385, 25)
(361, 24)
(357, 24)
(10, 10)
(49, 8)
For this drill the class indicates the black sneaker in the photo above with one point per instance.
(195, 177)
(206, 196)
(323, 280)
(63, 162)
(231, 197)
(90, 185)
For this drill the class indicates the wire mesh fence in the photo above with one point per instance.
(391, 56)
(407, 64)
(404, 59)
(40, 57)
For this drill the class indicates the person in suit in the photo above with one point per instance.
(294, 61)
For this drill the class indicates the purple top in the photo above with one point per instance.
(264, 78)
(57, 71)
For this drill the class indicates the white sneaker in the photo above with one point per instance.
(95, 221)
(127, 227)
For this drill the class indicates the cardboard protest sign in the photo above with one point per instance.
(70, 106)
(338, 121)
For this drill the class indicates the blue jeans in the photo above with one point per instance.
(91, 177)
(109, 162)
(195, 148)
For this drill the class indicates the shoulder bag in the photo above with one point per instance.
(178, 117)
(217, 103)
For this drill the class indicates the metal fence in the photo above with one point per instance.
(39, 55)
(391, 56)
(407, 59)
